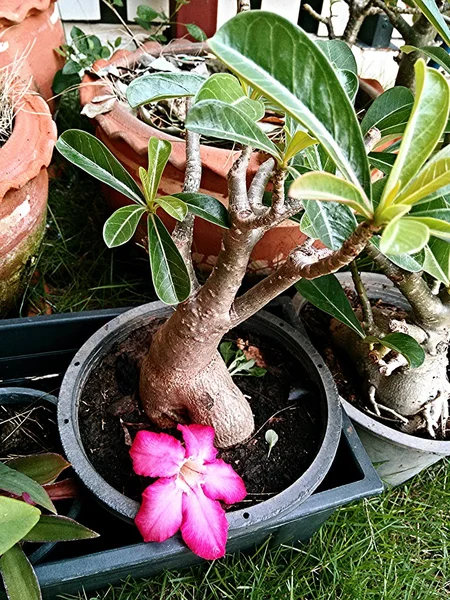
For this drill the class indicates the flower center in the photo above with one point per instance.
(191, 472)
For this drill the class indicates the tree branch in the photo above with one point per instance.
(258, 185)
(303, 262)
(327, 21)
(405, 30)
(368, 323)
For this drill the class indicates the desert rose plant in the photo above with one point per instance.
(320, 170)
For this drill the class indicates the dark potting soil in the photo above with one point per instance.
(284, 399)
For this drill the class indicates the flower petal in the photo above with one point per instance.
(199, 441)
(156, 454)
(221, 482)
(205, 526)
(160, 515)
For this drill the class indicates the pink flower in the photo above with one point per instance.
(192, 480)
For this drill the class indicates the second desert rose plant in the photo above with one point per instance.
(321, 168)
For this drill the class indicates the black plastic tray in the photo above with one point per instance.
(34, 352)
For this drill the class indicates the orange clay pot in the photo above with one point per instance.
(127, 138)
(33, 29)
(23, 194)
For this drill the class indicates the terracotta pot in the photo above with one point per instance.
(23, 193)
(33, 29)
(127, 138)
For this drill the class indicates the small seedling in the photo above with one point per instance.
(271, 439)
(238, 363)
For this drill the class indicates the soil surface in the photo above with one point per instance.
(284, 399)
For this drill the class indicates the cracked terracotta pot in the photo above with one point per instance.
(23, 194)
(33, 29)
(127, 138)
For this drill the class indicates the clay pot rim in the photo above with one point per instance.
(32, 140)
(15, 12)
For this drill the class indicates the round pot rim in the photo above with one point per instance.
(16, 11)
(127, 508)
(30, 146)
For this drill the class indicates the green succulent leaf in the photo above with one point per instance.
(327, 294)
(16, 483)
(122, 225)
(384, 161)
(437, 260)
(297, 143)
(18, 576)
(436, 53)
(404, 236)
(436, 227)
(169, 273)
(331, 223)
(90, 154)
(330, 188)
(42, 468)
(410, 262)
(206, 207)
(173, 206)
(227, 88)
(403, 344)
(158, 86)
(52, 528)
(262, 49)
(217, 119)
(158, 155)
(389, 112)
(17, 518)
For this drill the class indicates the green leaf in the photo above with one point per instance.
(384, 161)
(437, 260)
(410, 262)
(121, 225)
(298, 142)
(206, 207)
(330, 188)
(279, 60)
(329, 222)
(169, 273)
(17, 518)
(339, 53)
(226, 88)
(158, 155)
(196, 32)
(51, 528)
(271, 438)
(349, 82)
(62, 82)
(436, 227)
(18, 576)
(220, 120)
(431, 11)
(90, 154)
(436, 53)
(42, 468)
(146, 13)
(425, 126)
(388, 110)
(157, 86)
(227, 351)
(403, 344)
(327, 294)
(173, 206)
(16, 483)
(404, 236)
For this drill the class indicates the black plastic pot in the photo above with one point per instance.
(26, 396)
(43, 346)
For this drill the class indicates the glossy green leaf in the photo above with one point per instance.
(425, 127)
(437, 260)
(349, 82)
(432, 13)
(42, 468)
(280, 61)
(226, 88)
(403, 344)
(169, 273)
(327, 294)
(90, 154)
(330, 188)
(157, 86)
(173, 206)
(297, 143)
(121, 225)
(404, 236)
(196, 32)
(437, 227)
(52, 528)
(16, 483)
(339, 53)
(384, 111)
(410, 262)
(17, 518)
(18, 576)
(384, 161)
(158, 155)
(206, 207)
(437, 54)
(217, 119)
(331, 223)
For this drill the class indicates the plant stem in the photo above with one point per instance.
(368, 323)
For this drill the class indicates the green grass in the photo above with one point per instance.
(388, 548)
